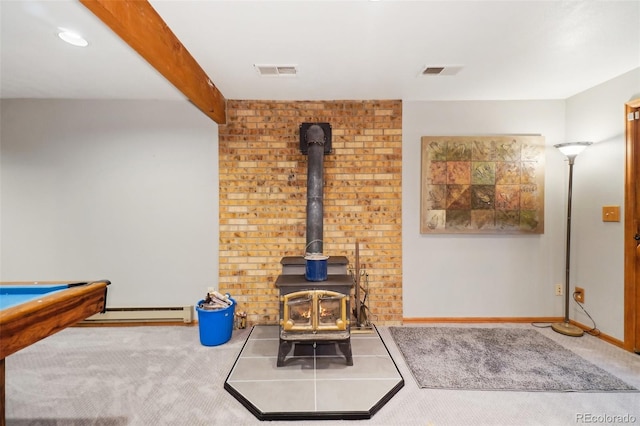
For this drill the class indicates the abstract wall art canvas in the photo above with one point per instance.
(482, 184)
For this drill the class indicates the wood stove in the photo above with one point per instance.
(314, 308)
(314, 312)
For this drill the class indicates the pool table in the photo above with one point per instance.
(31, 311)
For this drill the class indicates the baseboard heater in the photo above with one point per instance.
(148, 314)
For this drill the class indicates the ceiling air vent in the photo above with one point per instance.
(440, 70)
(276, 70)
(432, 70)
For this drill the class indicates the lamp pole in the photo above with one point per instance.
(571, 150)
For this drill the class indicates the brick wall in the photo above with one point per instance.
(263, 198)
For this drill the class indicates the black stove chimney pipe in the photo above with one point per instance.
(316, 139)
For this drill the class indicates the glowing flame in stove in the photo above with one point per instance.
(324, 312)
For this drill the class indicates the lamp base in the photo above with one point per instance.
(567, 329)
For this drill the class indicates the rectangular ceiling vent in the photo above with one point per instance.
(276, 70)
(440, 70)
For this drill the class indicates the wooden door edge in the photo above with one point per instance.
(630, 290)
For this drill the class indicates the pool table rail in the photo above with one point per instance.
(23, 325)
(26, 323)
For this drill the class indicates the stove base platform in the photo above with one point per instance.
(315, 384)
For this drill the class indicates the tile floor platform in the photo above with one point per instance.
(315, 383)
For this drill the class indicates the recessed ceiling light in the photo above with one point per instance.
(72, 38)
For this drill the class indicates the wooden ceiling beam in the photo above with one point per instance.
(140, 26)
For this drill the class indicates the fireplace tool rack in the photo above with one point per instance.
(360, 310)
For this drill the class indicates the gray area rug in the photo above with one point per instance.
(497, 359)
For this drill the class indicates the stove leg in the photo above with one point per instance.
(283, 350)
(345, 348)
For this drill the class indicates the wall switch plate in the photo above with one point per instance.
(611, 213)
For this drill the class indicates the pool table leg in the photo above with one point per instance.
(2, 413)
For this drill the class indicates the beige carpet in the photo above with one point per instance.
(141, 376)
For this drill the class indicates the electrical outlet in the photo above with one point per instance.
(558, 289)
(579, 294)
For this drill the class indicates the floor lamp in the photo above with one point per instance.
(571, 150)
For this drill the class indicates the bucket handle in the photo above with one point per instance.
(311, 242)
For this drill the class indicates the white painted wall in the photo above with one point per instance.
(597, 254)
(482, 275)
(122, 190)
(128, 191)
(503, 276)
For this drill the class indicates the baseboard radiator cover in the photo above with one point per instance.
(182, 314)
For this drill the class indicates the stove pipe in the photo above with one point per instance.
(316, 139)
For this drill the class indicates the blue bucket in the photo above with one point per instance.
(215, 326)
(315, 267)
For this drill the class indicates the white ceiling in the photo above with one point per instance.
(343, 49)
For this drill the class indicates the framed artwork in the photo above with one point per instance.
(482, 184)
